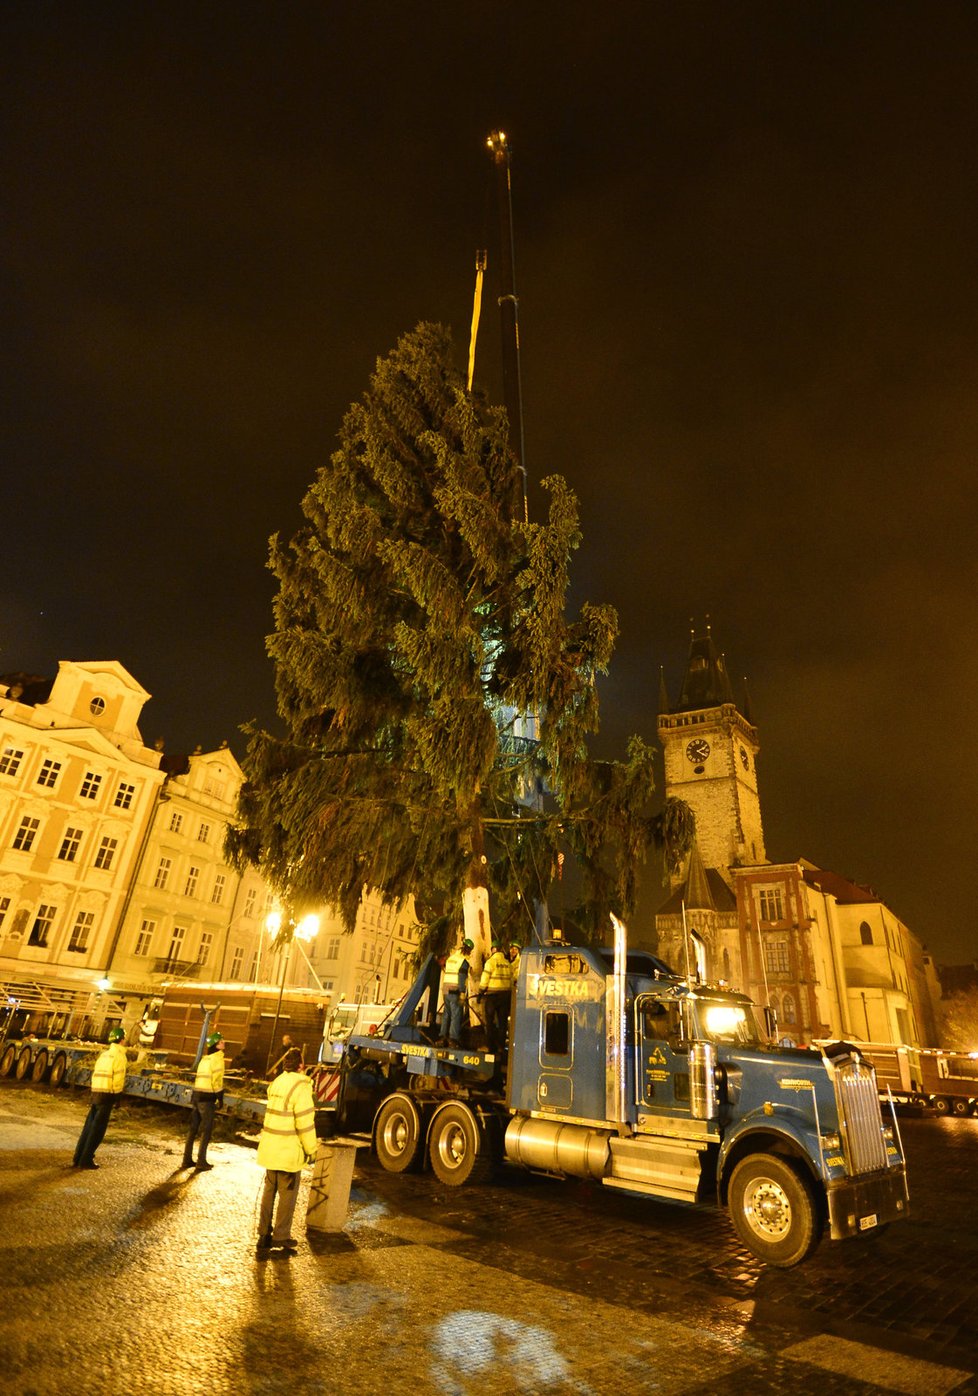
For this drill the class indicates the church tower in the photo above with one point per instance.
(710, 748)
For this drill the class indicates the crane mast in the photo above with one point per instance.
(509, 303)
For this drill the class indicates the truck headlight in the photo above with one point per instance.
(830, 1143)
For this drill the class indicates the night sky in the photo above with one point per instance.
(746, 257)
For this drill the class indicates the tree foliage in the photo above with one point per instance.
(414, 617)
(959, 1020)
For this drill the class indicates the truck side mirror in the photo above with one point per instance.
(770, 1022)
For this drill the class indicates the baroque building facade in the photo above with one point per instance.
(113, 880)
(827, 955)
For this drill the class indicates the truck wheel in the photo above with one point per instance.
(942, 1106)
(7, 1060)
(458, 1147)
(773, 1210)
(39, 1069)
(58, 1068)
(23, 1063)
(397, 1134)
(962, 1107)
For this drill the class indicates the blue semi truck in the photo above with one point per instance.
(620, 1071)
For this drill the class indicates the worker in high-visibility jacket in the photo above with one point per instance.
(208, 1094)
(108, 1083)
(288, 1140)
(454, 982)
(496, 990)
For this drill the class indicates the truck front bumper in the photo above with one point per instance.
(861, 1205)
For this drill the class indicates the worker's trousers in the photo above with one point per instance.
(202, 1122)
(282, 1187)
(93, 1130)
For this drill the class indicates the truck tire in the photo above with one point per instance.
(458, 1147)
(39, 1067)
(773, 1210)
(23, 1063)
(962, 1107)
(58, 1068)
(399, 1134)
(942, 1106)
(8, 1059)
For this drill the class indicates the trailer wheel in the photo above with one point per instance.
(459, 1147)
(58, 1068)
(942, 1106)
(962, 1107)
(773, 1210)
(7, 1060)
(398, 1136)
(23, 1063)
(40, 1066)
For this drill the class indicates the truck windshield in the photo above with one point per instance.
(723, 1021)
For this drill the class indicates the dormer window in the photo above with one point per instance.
(97, 706)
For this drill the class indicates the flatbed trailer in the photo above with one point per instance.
(150, 1076)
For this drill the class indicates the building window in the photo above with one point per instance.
(124, 795)
(162, 874)
(250, 899)
(204, 833)
(235, 971)
(78, 942)
(176, 822)
(203, 954)
(866, 933)
(176, 942)
(10, 761)
(333, 948)
(190, 889)
(68, 851)
(90, 786)
(26, 834)
(97, 707)
(4, 908)
(776, 957)
(772, 907)
(48, 775)
(214, 788)
(145, 938)
(106, 853)
(253, 972)
(220, 882)
(788, 1009)
(43, 922)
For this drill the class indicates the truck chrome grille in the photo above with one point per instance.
(859, 1112)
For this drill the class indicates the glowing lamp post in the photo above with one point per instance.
(283, 934)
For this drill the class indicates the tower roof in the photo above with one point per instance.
(706, 683)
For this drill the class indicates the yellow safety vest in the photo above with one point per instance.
(210, 1072)
(289, 1131)
(453, 966)
(496, 973)
(109, 1073)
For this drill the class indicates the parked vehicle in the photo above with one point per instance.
(945, 1081)
(620, 1071)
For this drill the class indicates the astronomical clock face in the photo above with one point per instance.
(697, 750)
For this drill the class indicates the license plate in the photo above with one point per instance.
(867, 1223)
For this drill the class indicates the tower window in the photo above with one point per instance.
(771, 904)
(866, 933)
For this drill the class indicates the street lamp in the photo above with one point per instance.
(284, 933)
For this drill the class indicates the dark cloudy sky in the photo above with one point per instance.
(746, 255)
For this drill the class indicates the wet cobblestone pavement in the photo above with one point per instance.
(140, 1276)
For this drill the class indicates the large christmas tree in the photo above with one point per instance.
(416, 616)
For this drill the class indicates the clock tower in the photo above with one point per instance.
(710, 748)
